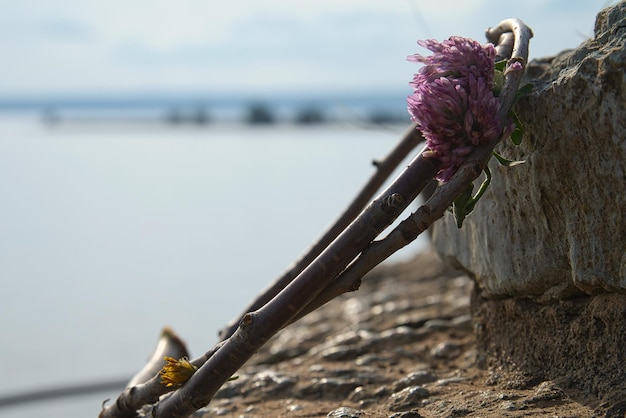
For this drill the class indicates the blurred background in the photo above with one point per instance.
(162, 161)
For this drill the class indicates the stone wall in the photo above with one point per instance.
(546, 245)
(556, 226)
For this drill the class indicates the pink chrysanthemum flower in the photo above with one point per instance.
(453, 102)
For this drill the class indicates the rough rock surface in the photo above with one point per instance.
(547, 244)
(579, 343)
(556, 226)
(403, 346)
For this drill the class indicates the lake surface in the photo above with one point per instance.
(108, 233)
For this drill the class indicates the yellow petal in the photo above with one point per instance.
(176, 372)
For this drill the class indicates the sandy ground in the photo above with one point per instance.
(401, 346)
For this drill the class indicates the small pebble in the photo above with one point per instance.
(223, 411)
(407, 414)
(368, 358)
(345, 412)
(359, 394)
(546, 391)
(437, 324)
(445, 350)
(342, 352)
(509, 406)
(294, 408)
(399, 335)
(419, 377)
(273, 383)
(329, 388)
(407, 398)
(450, 380)
(462, 321)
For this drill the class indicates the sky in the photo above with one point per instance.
(86, 47)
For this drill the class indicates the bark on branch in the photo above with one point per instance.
(516, 38)
(342, 262)
(411, 139)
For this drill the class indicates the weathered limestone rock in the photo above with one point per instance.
(547, 243)
(556, 226)
(579, 342)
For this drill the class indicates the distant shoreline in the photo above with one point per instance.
(201, 110)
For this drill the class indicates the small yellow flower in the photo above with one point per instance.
(176, 372)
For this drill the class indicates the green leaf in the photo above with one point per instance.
(516, 136)
(483, 188)
(501, 65)
(518, 133)
(464, 204)
(523, 91)
(460, 203)
(506, 162)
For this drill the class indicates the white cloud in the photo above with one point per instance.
(95, 45)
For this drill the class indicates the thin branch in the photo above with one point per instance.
(516, 40)
(135, 397)
(257, 327)
(410, 140)
(518, 52)
(169, 345)
(406, 232)
(443, 197)
(145, 387)
(223, 360)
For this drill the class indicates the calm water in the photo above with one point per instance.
(109, 233)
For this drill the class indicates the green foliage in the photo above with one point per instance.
(464, 204)
(501, 65)
(518, 133)
(498, 77)
(506, 162)
(523, 91)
